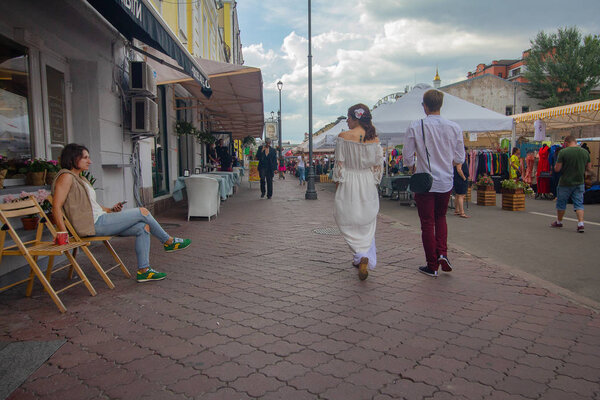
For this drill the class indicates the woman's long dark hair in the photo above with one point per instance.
(361, 113)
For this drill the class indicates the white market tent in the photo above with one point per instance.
(391, 120)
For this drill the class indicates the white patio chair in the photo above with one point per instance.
(203, 196)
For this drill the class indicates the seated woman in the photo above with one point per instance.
(77, 198)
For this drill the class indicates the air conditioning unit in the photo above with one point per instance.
(144, 115)
(142, 79)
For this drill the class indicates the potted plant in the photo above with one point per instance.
(248, 141)
(89, 177)
(184, 128)
(513, 195)
(31, 221)
(52, 169)
(485, 183)
(205, 137)
(486, 196)
(36, 172)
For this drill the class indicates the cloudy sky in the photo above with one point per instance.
(364, 50)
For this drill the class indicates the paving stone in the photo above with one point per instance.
(580, 386)
(309, 358)
(555, 394)
(470, 390)
(225, 394)
(484, 376)
(229, 371)
(133, 389)
(524, 387)
(314, 382)
(287, 392)
(256, 385)
(196, 386)
(407, 389)
(284, 370)
(349, 391)
(338, 368)
(282, 348)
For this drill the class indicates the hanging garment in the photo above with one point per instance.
(529, 165)
(539, 129)
(543, 166)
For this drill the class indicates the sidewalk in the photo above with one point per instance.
(261, 306)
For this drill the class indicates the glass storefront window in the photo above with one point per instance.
(160, 170)
(56, 110)
(15, 134)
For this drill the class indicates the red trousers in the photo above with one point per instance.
(432, 209)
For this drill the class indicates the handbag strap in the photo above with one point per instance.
(426, 151)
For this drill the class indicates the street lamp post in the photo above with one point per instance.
(311, 193)
(279, 87)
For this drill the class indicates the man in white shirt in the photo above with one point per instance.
(444, 142)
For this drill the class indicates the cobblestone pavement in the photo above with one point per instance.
(261, 306)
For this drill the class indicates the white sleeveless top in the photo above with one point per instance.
(97, 211)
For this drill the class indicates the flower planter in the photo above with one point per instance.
(50, 177)
(486, 197)
(30, 223)
(2, 176)
(517, 190)
(469, 195)
(485, 188)
(36, 178)
(514, 201)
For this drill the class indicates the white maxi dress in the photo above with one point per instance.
(358, 170)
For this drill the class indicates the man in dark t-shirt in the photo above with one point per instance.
(573, 162)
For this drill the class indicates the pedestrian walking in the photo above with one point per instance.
(267, 165)
(461, 186)
(573, 162)
(224, 156)
(357, 172)
(301, 169)
(76, 197)
(438, 146)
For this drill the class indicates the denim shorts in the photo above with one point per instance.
(575, 193)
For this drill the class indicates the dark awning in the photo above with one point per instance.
(137, 19)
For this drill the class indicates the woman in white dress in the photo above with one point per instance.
(357, 172)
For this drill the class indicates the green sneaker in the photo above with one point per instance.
(178, 244)
(150, 275)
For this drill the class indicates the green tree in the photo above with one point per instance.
(563, 67)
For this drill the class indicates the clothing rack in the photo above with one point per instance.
(489, 162)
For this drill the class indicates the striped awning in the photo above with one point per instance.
(563, 117)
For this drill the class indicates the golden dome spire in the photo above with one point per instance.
(437, 75)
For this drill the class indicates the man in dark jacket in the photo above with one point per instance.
(267, 165)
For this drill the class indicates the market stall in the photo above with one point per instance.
(391, 120)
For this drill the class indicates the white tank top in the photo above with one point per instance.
(97, 211)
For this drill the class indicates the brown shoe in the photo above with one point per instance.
(363, 271)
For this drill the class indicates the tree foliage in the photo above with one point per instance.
(563, 67)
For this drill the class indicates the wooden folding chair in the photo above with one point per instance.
(33, 249)
(88, 239)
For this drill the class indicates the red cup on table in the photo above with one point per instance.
(61, 238)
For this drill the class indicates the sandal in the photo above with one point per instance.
(463, 215)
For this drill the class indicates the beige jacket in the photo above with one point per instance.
(78, 207)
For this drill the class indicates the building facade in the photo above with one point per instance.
(511, 70)
(495, 93)
(65, 75)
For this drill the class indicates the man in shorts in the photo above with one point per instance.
(573, 161)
